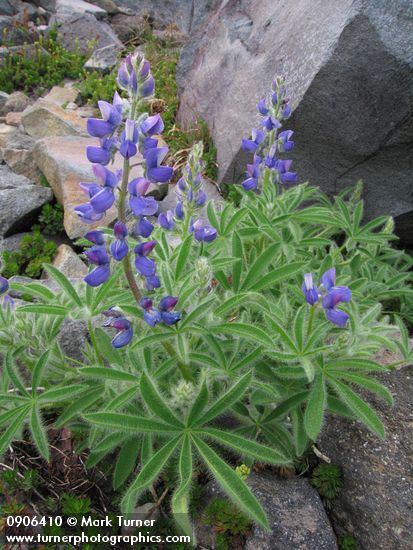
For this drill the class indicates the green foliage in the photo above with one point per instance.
(34, 251)
(328, 480)
(51, 219)
(94, 87)
(347, 543)
(225, 518)
(73, 505)
(40, 66)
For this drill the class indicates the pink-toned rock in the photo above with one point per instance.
(45, 118)
(69, 263)
(64, 163)
(6, 131)
(14, 119)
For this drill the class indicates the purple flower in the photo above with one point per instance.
(337, 317)
(166, 220)
(103, 200)
(286, 176)
(152, 125)
(124, 328)
(154, 171)
(152, 282)
(96, 237)
(4, 285)
(102, 154)
(129, 139)
(97, 255)
(143, 228)
(253, 170)
(310, 290)
(284, 140)
(119, 247)
(271, 123)
(335, 296)
(328, 280)
(179, 210)
(166, 306)
(144, 265)
(111, 118)
(143, 206)
(262, 108)
(143, 249)
(252, 144)
(204, 233)
(151, 315)
(147, 88)
(87, 214)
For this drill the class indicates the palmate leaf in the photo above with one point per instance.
(249, 332)
(126, 461)
(286, 406)
(277, 275)
(180, 499)
(358, 407)
(64, 284)
(38, 371)
(129, 423)
(148, 474)
(197, 312)
(244, 446)
(81, 403)
(56, 395)
(231, 483)
(199, 405)
(102, 373)
(44, 309)
(367, 383)
(260, 265)
(14, 375)
(10, 432)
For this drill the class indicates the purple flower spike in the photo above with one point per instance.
(310, 291)
(143, 228)
(155, 172)
(166, 220)
(98, 276)
(148, 87)
(4, 285)
(87, 214)
(129, 138)
(150, 315)
(337, 317)
(328, 279)
(201, 198)
(96, 237)
(179, 210)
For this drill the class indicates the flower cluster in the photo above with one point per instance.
(164, 312)
(146, 266)
(267, 142)
(123, 327)
(330, 294)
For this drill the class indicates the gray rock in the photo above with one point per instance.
(348, 124)
(10, 180)
(129, 27)
(108, 5)
(69, 263)
(12, 243)
(20, 206)
(13, 33)
(375, 505)
(62, 95)
(8, 7)
(65, 9)
(16, 102)
(295, 513)
(72, 338)
(44, 118)
(3, 98)
(80, 30)
(18, 155)
(103, 60)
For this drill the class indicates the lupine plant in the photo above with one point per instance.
(228, 332)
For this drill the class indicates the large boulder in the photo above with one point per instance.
(77, 33)
(295, 513)
(64, 163)
(46, 118)
(20, 201)
(18, 155)
(375, 504)
(65, 9)
(349, 122)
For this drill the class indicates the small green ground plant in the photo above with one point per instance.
(34, 250)
(328, 480)
(263, 317)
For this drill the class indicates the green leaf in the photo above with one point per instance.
(148, 474)
(8, 435)
(197, 312)
(108, 374)
(237, 251)
(369, 384)
(14, 375)
(230, 304)
(227, 399)
(287, 341)
(109, 442)
(277, 275)
(314, 412)
(38, 370)
(35, 289)
(156, 403)
(286, 406)
(39, 433)
(128, 423)
(212, 218)
(180, 499)
(198, 405)
(184, 251)
(64, 284)
(232, 484)
(126, 461)
(11, 413)
(357, 364)
(245, 446)
(54, 395)
(249, 332)
(299, 433)
(44, 309)
(260, 264)
(104, 344)
(360, 408)
(79, 405)
(299, 326)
